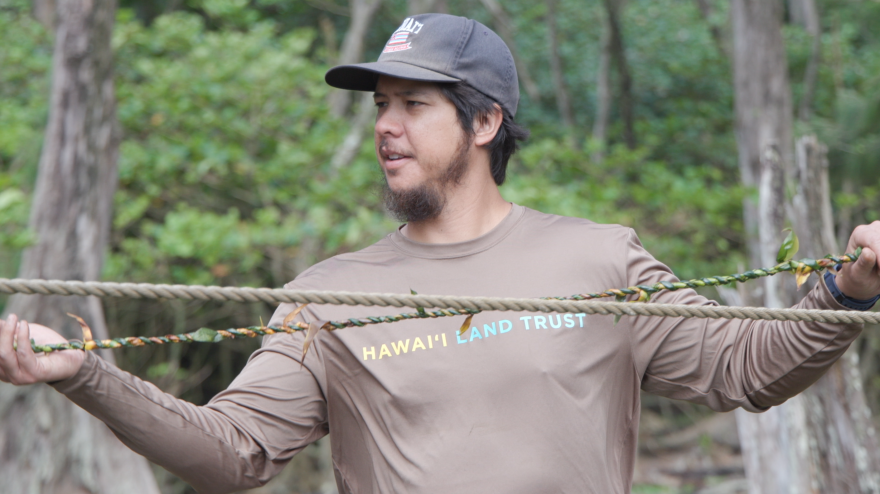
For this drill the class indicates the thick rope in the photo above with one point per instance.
(448, 305)
(575, 303)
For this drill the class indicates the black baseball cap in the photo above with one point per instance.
(439, 48)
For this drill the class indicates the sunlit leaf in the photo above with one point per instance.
(789, 247)
(466, 325)
(87, 331)
(289, 317)
(314, 327)
(205, 335)
(802, 273)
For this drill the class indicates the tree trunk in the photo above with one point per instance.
(618, 54)
(770, 445)
(810, 19)
(771, 222)
(362, 13)
(603, 94)
(762, 99)
(47, 444)
(562, 101)
(504, 28)
(842, 436)
(820, 441)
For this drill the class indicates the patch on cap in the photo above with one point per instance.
(401, 38)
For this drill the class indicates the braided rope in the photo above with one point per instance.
(449, 305)
(206, 335)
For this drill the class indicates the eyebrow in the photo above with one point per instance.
(412, 92)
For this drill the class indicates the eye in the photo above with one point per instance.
(414, 103)
(381, 104)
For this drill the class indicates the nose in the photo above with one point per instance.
(388, 121)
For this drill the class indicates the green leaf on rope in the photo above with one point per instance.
(789, 247)
(206, 335)
(420, 310)
(617, 318)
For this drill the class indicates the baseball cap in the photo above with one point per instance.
(439, 48)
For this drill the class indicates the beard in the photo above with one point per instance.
(427, 200)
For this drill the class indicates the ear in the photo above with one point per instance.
(486, 126)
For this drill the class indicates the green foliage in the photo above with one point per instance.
(675, 213)
(24, 62)
(224, 162)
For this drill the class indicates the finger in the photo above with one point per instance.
(867, 260)
(26, 360)
(7, 332)
(3, 376)
(863, 267)
(8, 358)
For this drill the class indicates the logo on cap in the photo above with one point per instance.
(400, 39)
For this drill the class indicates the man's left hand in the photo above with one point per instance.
(861, 279)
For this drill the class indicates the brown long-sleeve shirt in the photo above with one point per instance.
(520, 402)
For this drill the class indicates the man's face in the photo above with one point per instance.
(420, 146)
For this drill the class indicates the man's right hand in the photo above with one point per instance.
(21, 366)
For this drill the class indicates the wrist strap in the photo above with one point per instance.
(850, 303)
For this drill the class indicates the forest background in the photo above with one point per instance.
(239, 166)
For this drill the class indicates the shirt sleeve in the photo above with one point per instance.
(240, 439)
(729, 363)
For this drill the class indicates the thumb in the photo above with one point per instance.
(866, 263)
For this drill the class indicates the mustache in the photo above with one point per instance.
(386, 149)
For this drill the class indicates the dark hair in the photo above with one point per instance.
(470, 104)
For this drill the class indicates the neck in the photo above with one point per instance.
(472, 209)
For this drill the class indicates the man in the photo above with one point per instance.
(520, 402)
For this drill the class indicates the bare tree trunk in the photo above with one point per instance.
(762, 98)
(771, 222)
(362, 13)
(603, 94)
(47, 444)
(810, 18)
(822, 440)
(618, 54)
(562, 101)
(504, 27)
(813, 216)
(844, 448)
(771, 445)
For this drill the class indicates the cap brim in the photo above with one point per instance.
(363, 76)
